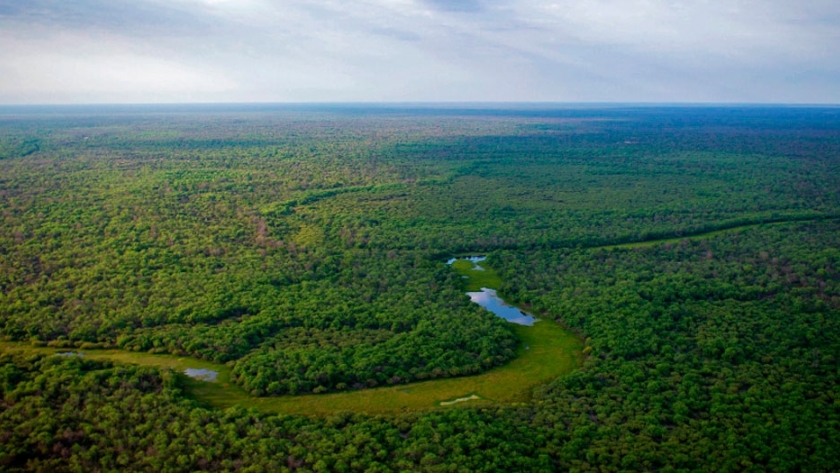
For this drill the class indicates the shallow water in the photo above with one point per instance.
(474, 259)
(70, 353)
(460, 399)
(201, 374)
(488, 299)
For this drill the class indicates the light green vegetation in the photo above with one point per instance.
(213, 393)
(546, 351)
(476, 278)
(302, 253)
(471, 397)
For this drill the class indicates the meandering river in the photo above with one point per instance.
(546, 351)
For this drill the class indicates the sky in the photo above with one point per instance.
(187, 51)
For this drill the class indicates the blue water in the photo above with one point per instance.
(201, 374)
(488, 299)
(474, 259)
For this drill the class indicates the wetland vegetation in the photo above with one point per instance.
(544, 354)
(686, 259)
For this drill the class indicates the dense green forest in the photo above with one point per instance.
(306, 249)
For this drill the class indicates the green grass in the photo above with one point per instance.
(546, 351)
(214, 393)
(476, 278)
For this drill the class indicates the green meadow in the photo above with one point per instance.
(476, 275)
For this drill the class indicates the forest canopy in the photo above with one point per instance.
(695, 250)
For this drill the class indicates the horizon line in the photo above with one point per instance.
(427, 103)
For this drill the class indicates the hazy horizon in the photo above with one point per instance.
(433, 105)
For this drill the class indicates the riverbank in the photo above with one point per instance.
(546, 351)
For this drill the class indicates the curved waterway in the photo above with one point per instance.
(488, 299)
(546, 351)
(469, 267)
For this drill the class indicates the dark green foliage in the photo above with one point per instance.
(69, 414)
(306, 249)
(718, 353)
(208, 252)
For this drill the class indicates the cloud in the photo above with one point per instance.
(419, 50)
(124, 17)
(67, 65)
(457, 5)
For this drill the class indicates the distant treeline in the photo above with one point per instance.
(305, 249)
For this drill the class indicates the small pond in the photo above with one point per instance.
(488, 299)
(473, 259)
(70, 353)
(201, 374)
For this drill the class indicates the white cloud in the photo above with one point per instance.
(66, 65)
(404, 50)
